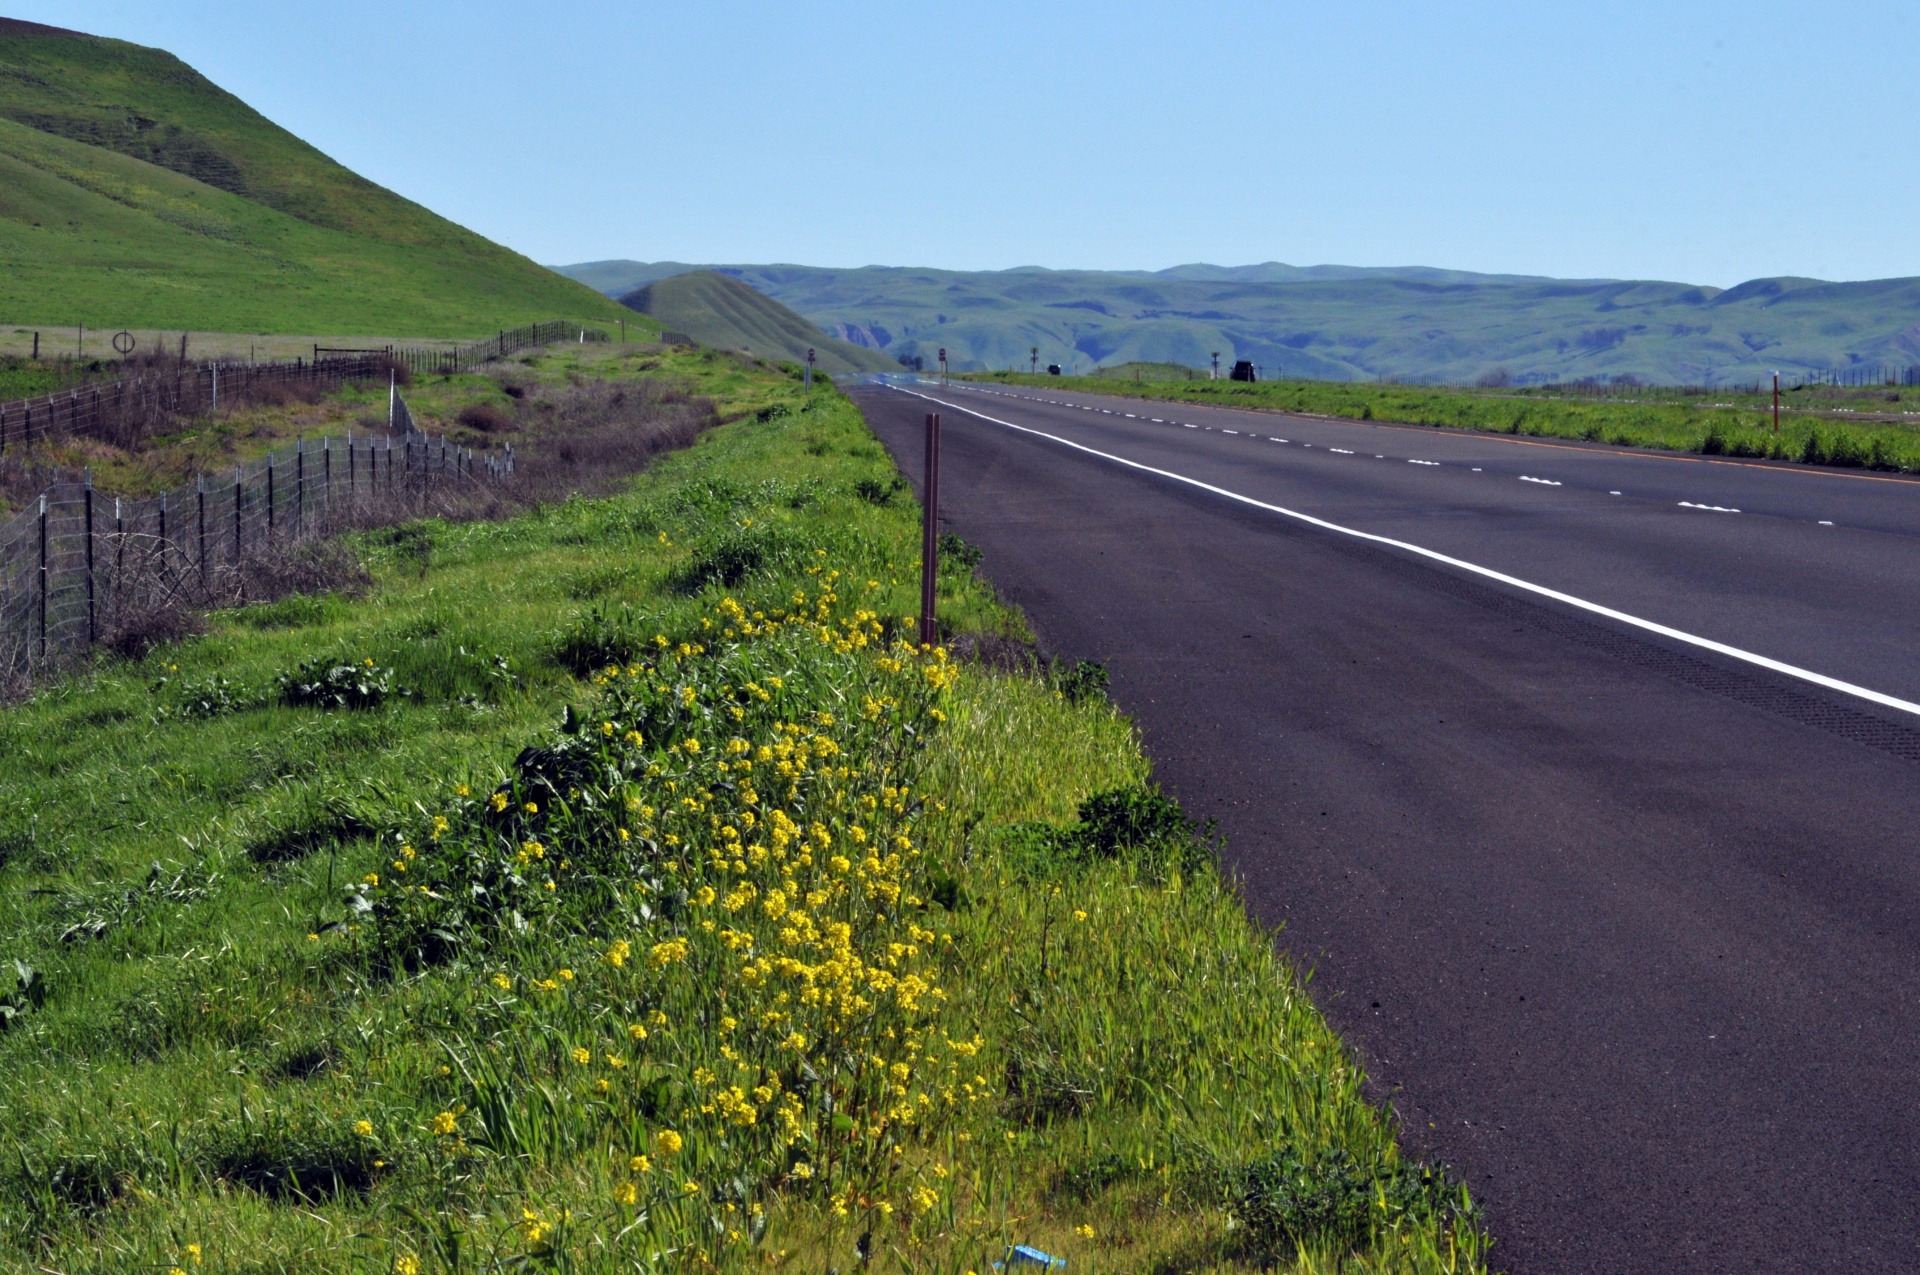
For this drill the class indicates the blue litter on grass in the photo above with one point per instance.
(1022, 1255)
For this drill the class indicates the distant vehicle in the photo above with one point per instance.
(1053, 369)
(1242, 371)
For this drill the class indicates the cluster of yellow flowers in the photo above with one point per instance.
(774, 889)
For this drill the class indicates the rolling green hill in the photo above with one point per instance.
(134, 191)
(717, 310)
(1344, 323)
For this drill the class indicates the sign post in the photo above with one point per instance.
(1034, 370)
(930, 533)
(943, 365)
(809, 374)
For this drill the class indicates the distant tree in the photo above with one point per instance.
(1498, 379)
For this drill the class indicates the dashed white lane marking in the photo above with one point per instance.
(1613, 493)
(1825, 523)
(1476, 469)
(1423, 462)
(1189, 427)
(1343, 451)
(1229, 431)
(1156, 420)
(1717, 509)
(1568, 599)
(1544, 482)
(1130, 416)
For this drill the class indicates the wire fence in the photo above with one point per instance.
(78, 565)
(422, 360)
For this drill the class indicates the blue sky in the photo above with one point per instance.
(1709, 142)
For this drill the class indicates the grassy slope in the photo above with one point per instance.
(1813, 425)
(135, 192)
(1137, 1040)
(722, 312)
(1417, 325)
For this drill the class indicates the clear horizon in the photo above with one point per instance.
(1709, 144)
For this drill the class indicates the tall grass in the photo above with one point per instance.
(1681, 426)
(507, 969)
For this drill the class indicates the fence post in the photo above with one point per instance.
(163, 531)
(238, 492)
(350, 474)
(269, 498)
(326, 477)
(93, 626)
(119, 551)
(200, 518)
(299, 486)
(43, 575)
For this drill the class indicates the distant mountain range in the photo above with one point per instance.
(1340, 322)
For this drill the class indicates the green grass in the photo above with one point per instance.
(1047, 1018)
(1813, 428)
(178, 206)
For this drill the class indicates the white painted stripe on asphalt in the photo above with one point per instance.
(1423, 462)
(1568, 599)
(1717, 509)
(1825, 523)
(1545, 482)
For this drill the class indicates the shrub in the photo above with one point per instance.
(485, 417)
(1085, 680)
(320, 683)
(1287, 1202)
(965, 558)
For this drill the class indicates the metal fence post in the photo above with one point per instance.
(269, 498)
(163, 530)
(930, 533)
(93, 625)
(43, 576)
(119, 550)
(238, 493)
(299, 486)
(200, 517)
(326, 477)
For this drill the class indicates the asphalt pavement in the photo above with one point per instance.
(1579, 777)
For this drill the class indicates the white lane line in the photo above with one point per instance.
(1229, 431)
(1544, 482)
(1157, 421)
(1343, 451)
(1130, 416)
(1825, 523)
(1476, 469)
(1718, 509)
(1189, 427)
(1568, 599)
(1613, 493)
(1423, 462)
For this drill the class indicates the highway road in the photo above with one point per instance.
(1586, 781)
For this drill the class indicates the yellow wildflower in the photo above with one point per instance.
(581, 1055)
(626, 1193)
(443, 1124)
(364, 1128)
(617, 954)
(671, 1142)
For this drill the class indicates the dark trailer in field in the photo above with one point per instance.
(1242, 371)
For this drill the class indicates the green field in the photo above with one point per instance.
(135, 193)
(1848, 428)
(1343, 323)
(633, 901)
(727, 314)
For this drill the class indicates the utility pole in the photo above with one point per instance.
(1216, 365)
(943, 365)
(1035, 370)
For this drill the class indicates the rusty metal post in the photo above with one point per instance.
(930, 534)
(43, 576)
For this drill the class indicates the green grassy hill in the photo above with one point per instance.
(134, 191)
(1344, 323)
(716, 310)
